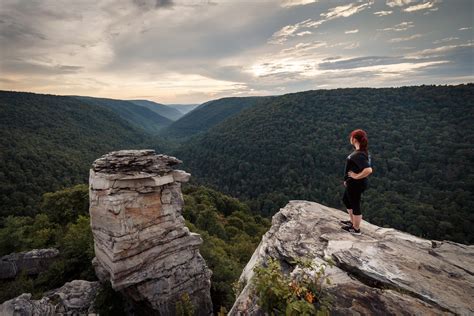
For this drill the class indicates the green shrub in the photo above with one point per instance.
(301, 294)
(184, 307)
(26, 233)
(66, 205)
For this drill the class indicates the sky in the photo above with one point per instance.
(192, 51)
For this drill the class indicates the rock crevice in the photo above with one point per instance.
(141, 243)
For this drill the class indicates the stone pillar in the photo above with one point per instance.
(140, 239)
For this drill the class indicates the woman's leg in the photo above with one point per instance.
(354, 194)
(356, 221)
(347, 203)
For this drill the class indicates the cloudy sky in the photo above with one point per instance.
(191, 51)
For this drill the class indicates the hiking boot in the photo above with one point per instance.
(349, 223)
(352, 230)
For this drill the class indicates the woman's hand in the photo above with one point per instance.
(352, 174)
(364, 173)
(345, 184)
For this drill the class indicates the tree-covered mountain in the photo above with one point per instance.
(207, 115)
(48, 142)
(270, 150)
(294, 147)
(161, 109)
(138, 116)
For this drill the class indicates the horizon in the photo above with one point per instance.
(191, 52)
(224, 97)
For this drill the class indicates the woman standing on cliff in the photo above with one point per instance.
(358, 168)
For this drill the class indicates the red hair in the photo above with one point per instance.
(361, 137)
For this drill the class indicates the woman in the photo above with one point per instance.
(358, 168)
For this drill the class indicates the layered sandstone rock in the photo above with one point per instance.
(73, 298)
(141, 242)
(381, 272)
(31, 262)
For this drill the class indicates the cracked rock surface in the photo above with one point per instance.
(141, 242)
(381, 272)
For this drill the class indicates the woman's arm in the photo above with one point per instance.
(364, 173)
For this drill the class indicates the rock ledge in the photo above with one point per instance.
(383, 271)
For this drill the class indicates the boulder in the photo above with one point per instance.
(31, 262)
(381, 272)
(73, 298)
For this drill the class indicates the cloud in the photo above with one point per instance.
(383, 13)
(319, 72)
(312, 64)
(292, 3)
(289, 30)
(442, 50)
(413, 8)
(431, 10)
(398, 3)
(350, 63)
(301, 49)
(351, 31)
(112, 47)
(402, 39)
(399, 27)
(405, 47)
(444, 40)
(422, 6)
(304, 33)
(352, 45)
(345, 11)
(36, 67)
(153, 4)
(8, 81)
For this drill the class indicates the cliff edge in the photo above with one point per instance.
(382, 272)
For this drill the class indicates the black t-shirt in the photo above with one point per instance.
(356, 162)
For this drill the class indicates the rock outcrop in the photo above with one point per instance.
(381, 272)
(31, 262)
(73, 298)
(141, 242)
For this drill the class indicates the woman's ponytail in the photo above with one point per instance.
(361, 137)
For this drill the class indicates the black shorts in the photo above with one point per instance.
(352, 197)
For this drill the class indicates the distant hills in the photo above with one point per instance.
(294, 146)
(48, 142)
(169, 112)
(206, 115)
(139, 116)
